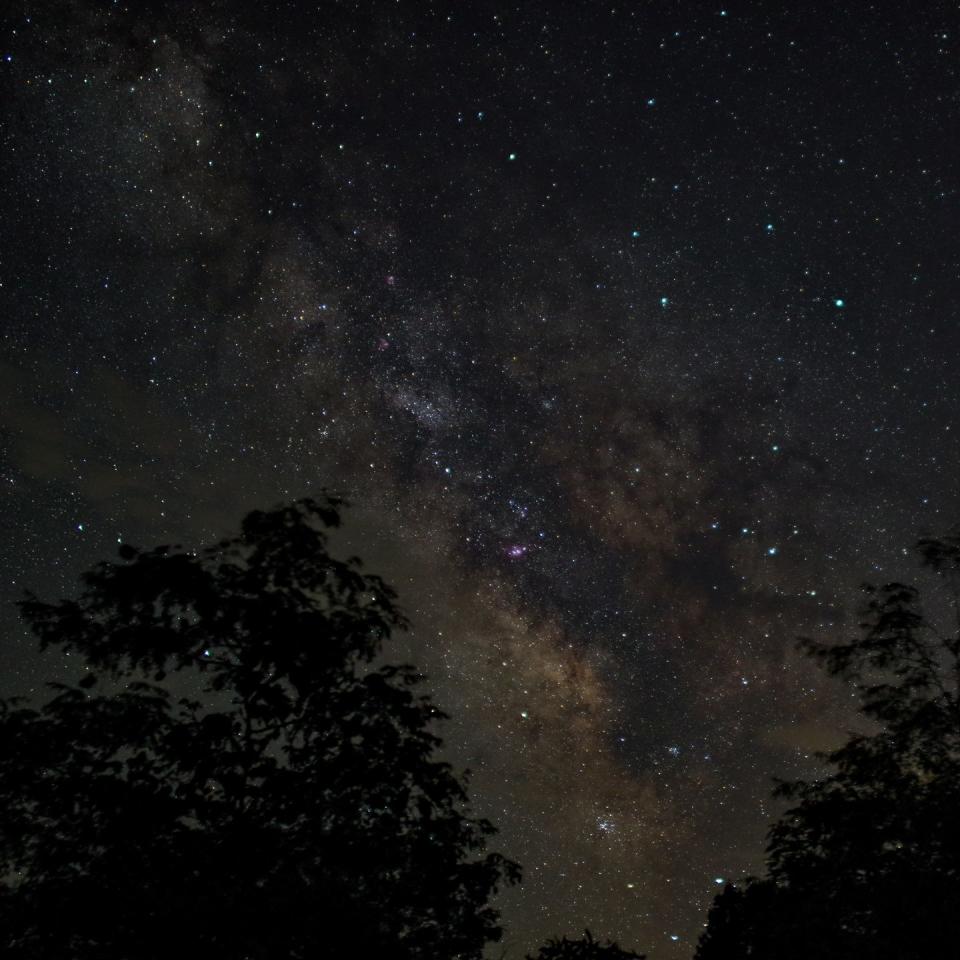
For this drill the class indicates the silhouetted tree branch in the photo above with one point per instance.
(866, 863)
(291, 807)
(585, 948)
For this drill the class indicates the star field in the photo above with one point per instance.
(628, 329)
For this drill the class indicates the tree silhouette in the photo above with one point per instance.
(586, 948)
(867, 860)
(285, 801)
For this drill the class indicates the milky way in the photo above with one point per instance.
(629, 331)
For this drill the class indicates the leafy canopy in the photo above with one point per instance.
(234, 772)
(867, 860)
(584, 948)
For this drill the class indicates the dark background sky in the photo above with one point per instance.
(630, 328)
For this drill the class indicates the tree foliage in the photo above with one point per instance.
(584, 948)
(234, 774)
(866, 862)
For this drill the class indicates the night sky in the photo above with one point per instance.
(629, 329)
